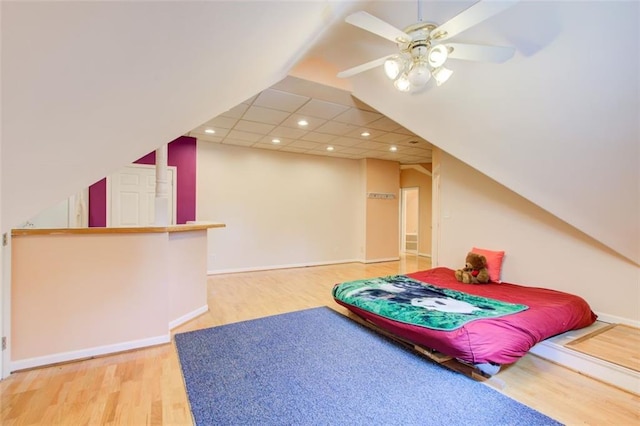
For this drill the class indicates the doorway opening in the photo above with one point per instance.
(410, 224)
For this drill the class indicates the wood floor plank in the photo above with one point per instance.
(145, 387)
(615, 343)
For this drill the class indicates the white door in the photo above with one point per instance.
(132, 193)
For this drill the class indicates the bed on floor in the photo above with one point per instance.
(483, 326)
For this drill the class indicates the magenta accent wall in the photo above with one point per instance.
(181, 153)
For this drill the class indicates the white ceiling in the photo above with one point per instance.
(338, 123)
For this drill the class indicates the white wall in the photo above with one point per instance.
(280, 209)
(541, 250)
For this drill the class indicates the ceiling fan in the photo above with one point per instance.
(422, 53)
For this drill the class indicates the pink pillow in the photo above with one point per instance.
(494, 262)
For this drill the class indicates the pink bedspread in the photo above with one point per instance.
(499, 340)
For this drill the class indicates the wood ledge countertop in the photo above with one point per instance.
(123, 230)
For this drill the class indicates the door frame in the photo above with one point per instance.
(172, 182)
(436, 216)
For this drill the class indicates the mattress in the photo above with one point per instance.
(534, 314)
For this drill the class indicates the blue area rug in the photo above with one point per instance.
(318, 367)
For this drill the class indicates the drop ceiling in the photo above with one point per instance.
(335, 119)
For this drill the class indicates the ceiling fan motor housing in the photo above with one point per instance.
(420, 42)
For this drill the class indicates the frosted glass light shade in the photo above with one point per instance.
(393, 66)
(441, 75)
(438, 55)
(419, 74)
(402, 83)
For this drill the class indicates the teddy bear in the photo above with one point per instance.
(475, 270)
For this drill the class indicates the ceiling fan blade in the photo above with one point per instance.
(477, 52)
(466, 19)
(363, 67)
(377, 26)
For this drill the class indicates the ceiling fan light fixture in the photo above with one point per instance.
(438, 55)
(422, 42)
(441, 75)
(393, 66)
(402, 83)
(419, 74)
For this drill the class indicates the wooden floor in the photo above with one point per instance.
(145, 386)
(615, 343)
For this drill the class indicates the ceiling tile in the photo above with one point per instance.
(243, 136)
(282, 101)
(269, 139)
(322, 109)
(357, 133)
(335, 128)
(250, 100)
(416, 151)
(392, 138)
(415, 160)
(358, 117)
(416, 143)
(287, 132)
(303, 145)
(352, 151)
(292, 121)
(236, 111)
(344, 141)
(318, 137)
(221, 122)
(290, 148)
(405, 131)
(268, 146)
(373, 145)
(322, 151)
(221, 133)
(388, 156)
(253, 127)
(206, 137)
(265, 115)
(385, 124)
(238, 142)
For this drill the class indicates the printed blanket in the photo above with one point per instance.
(406, 300)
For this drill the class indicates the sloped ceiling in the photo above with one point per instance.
(558, 124)
(88, 87)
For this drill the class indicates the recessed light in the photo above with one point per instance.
(303, 123)
(393, 148)
(365, 134)
(275, 140)
(210, 131)
(330, 148)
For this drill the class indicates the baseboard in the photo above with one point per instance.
(188, 317)
(87, 353)
(387, 259)
(288, 266)
(612, 319)
(607, 372)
